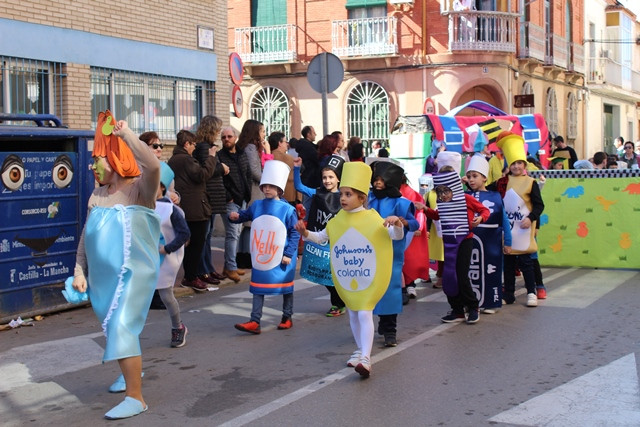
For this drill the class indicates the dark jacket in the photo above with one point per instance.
(190, 179)
(237, 182)
(214, 186)
(308, 152)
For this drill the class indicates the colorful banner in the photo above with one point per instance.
(590, 219)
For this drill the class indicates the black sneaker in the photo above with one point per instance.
(405, 296)
(179, 336)
(390, 340)
(473, 316)
(452, 317)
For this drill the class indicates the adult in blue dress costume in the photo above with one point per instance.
(118, 260)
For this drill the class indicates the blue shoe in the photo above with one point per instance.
(120, 385)
(129, 407)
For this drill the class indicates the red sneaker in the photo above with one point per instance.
(542, 293)
(285, 323)
(251, 327)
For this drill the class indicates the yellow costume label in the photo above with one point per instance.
(361, 257)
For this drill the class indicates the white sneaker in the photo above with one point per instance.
(411, 291)
(364, 367)
(532, 300)
(488, 310)
(354, 359)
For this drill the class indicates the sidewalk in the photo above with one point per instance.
(217, 251)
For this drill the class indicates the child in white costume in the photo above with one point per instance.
(176, 234)
(361, 257)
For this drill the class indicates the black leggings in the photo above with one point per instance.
(193, 251)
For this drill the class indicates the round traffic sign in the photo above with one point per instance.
(237, 100)
(236, 68)
(325, 67)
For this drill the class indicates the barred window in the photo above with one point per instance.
(151, 102)
(368, 114)
(29, 86)
(270, 106)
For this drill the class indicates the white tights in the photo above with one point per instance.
(362, 329)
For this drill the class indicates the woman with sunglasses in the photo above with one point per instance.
(630, 157)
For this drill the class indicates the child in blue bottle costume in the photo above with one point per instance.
(118, 260)
(361, 257)
(274, 246)
(386, 199)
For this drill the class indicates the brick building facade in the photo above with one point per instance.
(160, 65)
(397, 54)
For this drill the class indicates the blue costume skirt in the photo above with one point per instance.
(121, 244)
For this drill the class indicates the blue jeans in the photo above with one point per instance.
(258, 303)
(206, 262)
(232, 233)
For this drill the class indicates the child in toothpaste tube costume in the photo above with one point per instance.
(361, 257)
(274, 245)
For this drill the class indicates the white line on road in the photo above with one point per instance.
(328, 380)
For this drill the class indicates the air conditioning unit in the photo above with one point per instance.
(401, 2)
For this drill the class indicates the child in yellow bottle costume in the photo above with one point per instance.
(361, 257)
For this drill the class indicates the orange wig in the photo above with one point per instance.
(117, 152)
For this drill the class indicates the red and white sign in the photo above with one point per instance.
(237, 100)
(236, 68)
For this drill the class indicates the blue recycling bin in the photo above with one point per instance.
(46, 183)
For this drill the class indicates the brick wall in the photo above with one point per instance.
(167, 22)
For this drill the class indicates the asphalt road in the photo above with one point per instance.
(569, 362)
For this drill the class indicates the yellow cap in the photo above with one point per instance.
(512, 147)
(356, 175)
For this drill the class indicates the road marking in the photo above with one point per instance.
(32, 363)
(605, 396)
(329, 379)
(587, 289)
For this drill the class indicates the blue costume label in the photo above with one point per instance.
(485, 271)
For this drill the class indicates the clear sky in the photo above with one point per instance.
(632, 5)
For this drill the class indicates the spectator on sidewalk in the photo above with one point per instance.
(237, 185)
(190, 179)
(207, 137)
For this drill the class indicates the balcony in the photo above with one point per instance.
(276, 43)
(576, 58)
(606, 71)
(556, 52)
(365, 37)
(482, 31)
(532, 42)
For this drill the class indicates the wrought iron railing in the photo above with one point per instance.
(365, 37)
(275, 43)
(482, 31)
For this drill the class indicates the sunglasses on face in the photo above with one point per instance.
(156, 146)
(628, 147)
(226, 137)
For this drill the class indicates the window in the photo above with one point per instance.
(269, 13)
(30, 86)
(572, 117)
(150, 102)
(368, 113)
(551, 111)
(270, 106)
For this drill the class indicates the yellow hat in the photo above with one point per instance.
(512, 147)
(356, 175)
